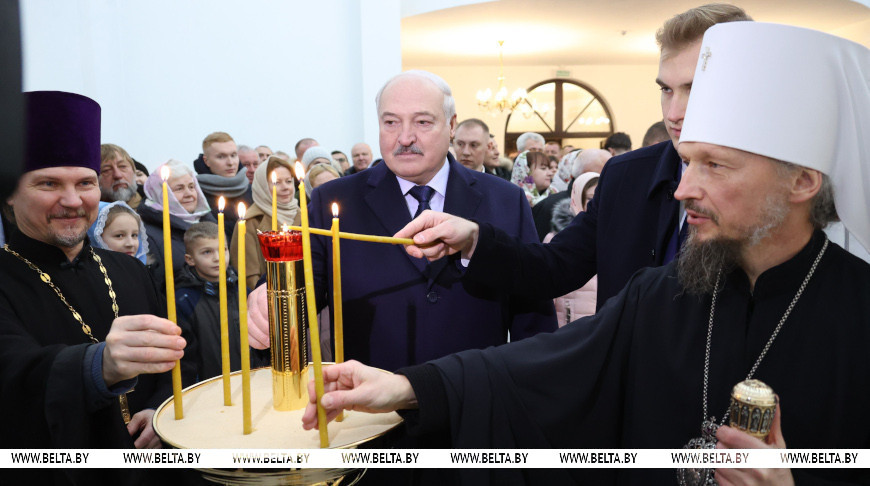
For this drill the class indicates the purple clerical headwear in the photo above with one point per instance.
(63, 129)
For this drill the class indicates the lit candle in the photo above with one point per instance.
(311, 304)
(274, 201)
(336, 294)
(358, 237)
(170, 289)
(243, 327)
(336, 287)
(222, 292)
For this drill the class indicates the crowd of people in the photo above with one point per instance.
(550, 300)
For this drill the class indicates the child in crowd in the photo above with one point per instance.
(533, 172)
(581, 302)
(119, 228)
(198, 302)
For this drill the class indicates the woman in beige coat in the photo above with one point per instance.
(259, 215)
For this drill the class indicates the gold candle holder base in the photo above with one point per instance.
(289, 389)
(209, 424)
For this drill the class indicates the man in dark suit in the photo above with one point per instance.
(399, 310)
(632, 222)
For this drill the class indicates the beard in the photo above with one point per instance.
(70, 236)
(68, 240)
(700, 262)
(120, 194)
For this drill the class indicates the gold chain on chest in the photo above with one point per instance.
(47, 279)
(125, 409)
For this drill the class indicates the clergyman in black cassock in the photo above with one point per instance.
(42, 348)
(79, 330)
(632, 375)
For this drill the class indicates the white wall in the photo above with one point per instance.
(167, 73)
(630, 92)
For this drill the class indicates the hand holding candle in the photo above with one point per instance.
(222, 291)
(243, 328)
(170, 289)
(311, 304)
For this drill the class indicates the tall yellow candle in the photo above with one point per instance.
(336, 288)
(222, 292)
(274, 201)
(338, 323)
(311, 304)
(170, 289)
(243, 327)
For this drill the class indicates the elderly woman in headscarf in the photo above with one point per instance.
(259, 215)
(533, 172)
(187, 206)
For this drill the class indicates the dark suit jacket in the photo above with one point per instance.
(626, 227)
(399, 310)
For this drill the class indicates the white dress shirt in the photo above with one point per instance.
(438, 182)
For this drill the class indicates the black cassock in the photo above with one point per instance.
(42, 348)
(632, 375)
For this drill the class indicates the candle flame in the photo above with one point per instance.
(285, 228)
(274, 178)
(300, 171)
(164, 172)
(241, 210)
(221, 204)
(334, 210)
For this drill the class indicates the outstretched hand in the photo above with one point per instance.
(731, 438)
(354, 386)
(439, 234)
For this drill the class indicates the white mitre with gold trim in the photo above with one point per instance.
(792, 94)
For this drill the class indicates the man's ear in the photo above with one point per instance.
(188, 260)
(452, 128)
(805, 185)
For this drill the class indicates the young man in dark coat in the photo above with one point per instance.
(633, 221)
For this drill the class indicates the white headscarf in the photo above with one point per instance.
(154, 194)
(99, 227)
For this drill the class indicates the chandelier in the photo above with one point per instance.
(501, 101)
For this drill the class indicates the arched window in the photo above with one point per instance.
(568, 112)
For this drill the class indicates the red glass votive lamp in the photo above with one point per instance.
(281, 246)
